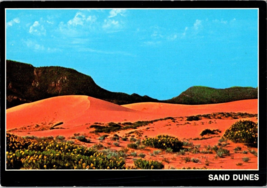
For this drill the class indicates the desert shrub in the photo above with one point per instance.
(195, 160)
(222, 152)
(60, 137)
(245, 159)
(115, 137)
(124, 138)
(134, 154)
(239, 164)
(103, 137)
(83, 139)
(253, 152)
(14, 142)
(110, 127)
(116, 144)
(208, 132)
(187, 159)
(164, 142)
(144, 164)
(132, 145)
(60, 155)
(206, 151)
(193, 118)
(98, 146)
(243, 132)
(132, 139)
(185, 143)
(138, 142)
(141, 147)
(156, 152)
(142, 155)
(181, 152)
(169, 150)
(215, 148)
(245, 152)
(70, 142)
(237, 148)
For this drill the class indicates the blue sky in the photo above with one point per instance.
(154, 52)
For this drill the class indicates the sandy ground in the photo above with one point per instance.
(75, 114)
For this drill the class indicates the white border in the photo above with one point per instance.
(199, 170)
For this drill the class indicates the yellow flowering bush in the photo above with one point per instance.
(144, 164)
(243, 132)
(59, 155)
(164, 142)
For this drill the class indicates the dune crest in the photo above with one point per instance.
(57, 109)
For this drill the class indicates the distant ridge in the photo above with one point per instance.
(26, 83)
(207, 95)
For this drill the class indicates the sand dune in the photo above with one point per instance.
(74, 110)
(78, 109)
(249, 106)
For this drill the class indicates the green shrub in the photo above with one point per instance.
(169, 150)
(195, 160)
(215, 148)
(181, 152)
(222, 152)
(132, 145)
(60, 137)
(185, 143)
(253, 152)
(144, 164)
(243, 132)
(156, 152)
(132, 139)
(237, 149)
(245, 152)
(60, 155)
(103, 137)
(98, 146)
(134, 154)
(83, 139)
(245, 159)
(193, 118)
(124, 138)
(142, 155)
(164, 142)
(116, 144)
(187, 159)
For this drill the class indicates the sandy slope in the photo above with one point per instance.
(79, 112)
(249, 106)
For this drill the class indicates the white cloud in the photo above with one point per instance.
(111, 24)
(81, 19)
(172, 37)
(220, 21)
(115, 12)
(37, 29)
(106, 52)
(38, 47)
(197, 24)
(12, 22)
(34, 45)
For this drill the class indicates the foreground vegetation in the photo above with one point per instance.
(243, 132)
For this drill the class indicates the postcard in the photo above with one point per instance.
(135, 94)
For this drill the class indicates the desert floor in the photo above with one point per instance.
(73, 115)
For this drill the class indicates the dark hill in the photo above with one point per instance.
(207, 95)
(26, 83)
